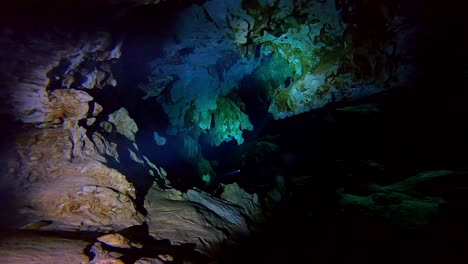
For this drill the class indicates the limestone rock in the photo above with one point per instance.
(224, 209)
(97, 109)
(69, 103)
(90, 79)
(30, 248)
(169, 194)
(62, 181)
(107, 126)
(115, 240)
(39, 65)
(124, 124)
(101, 256)
(183, 221)
(104, 147)
(134, 157)
(90, 121)
(161, 172)
(249, 203)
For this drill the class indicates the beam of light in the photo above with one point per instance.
(230, 173)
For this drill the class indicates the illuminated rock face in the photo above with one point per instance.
(301, 96)
(58, 173)
(124, 124)
(25, 249)
(199, 218)
(82, 62)
(64, 182)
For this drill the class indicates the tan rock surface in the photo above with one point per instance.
(249, 203)
(97, 109)
(124, 123)
(107, 126)
(61, 180)
(115, 240)
(68, 103)
(28, 249)
(102, 256)
(183, 221)
(104, 147)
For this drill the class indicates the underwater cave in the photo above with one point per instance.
(234, 131)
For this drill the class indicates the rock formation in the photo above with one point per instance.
(63, 181)
(27, 248)
(197, 218)
(124, 124)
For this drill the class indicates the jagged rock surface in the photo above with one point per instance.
(124, 124)
(249, 203)
(229, 212)
(61, 61)
(196, 217)
(115, 240)
(104, 147)
(60, 179)
(102, 256)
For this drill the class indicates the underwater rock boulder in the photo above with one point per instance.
(105, 147)
(60, 179)
(157, 172)
(403, 203)
(184, 221)
(115, 240)
(124, 124)
(101, 256)
(229, 212)
(249, 203)
(97, 109)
